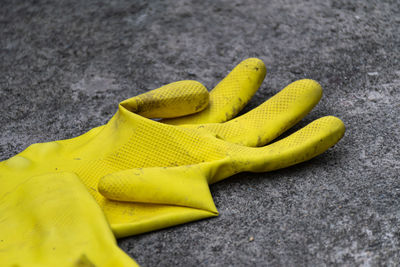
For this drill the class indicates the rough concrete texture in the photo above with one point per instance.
(66, 64)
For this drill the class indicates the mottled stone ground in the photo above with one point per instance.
(64, 66)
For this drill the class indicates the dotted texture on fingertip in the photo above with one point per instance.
(171, 100)
(264, 123)
(230, 95)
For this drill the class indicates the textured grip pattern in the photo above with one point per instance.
(306, 143)
(230, 95)
(169, 101)
(273, 117)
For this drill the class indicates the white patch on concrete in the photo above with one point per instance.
(94, 83)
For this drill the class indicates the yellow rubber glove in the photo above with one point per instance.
(52, 220)
(181, 194)
(131, 141)
(101, 145)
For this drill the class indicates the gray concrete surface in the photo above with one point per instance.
(64, 66)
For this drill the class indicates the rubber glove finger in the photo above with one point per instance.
(230, 96)
(266, 122)
(185, 186)
(169, 101)
(146, 217)
(306, 143)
